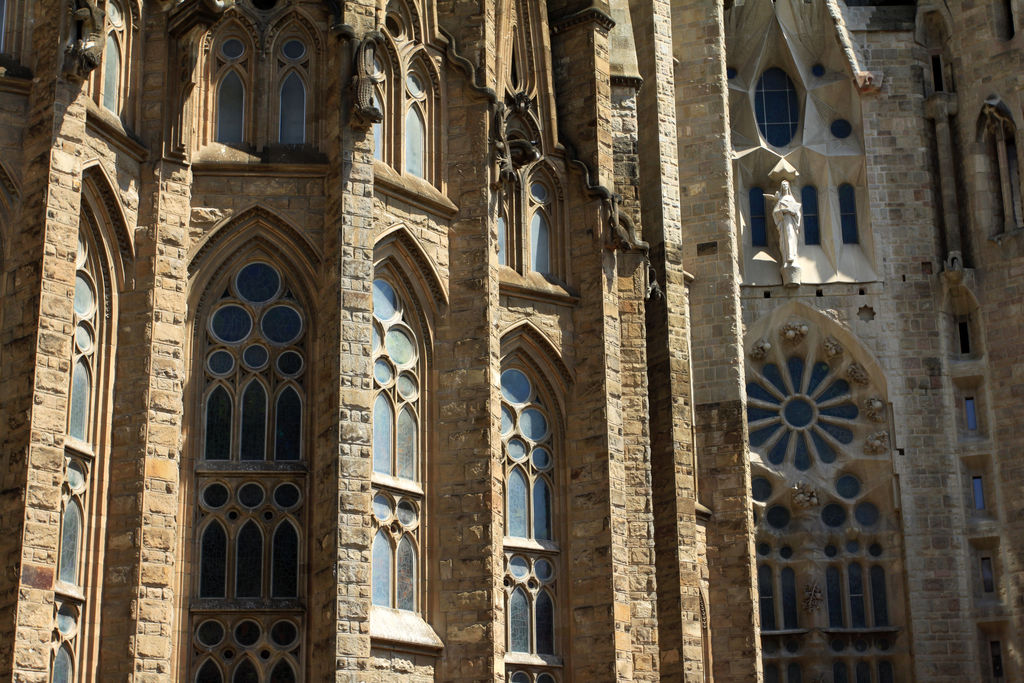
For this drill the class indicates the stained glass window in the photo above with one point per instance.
(758, 226)
(293, 111)
(809, 200)
(230, 109)
(776, 107)
(540, 244)
(415, 142)
(766, 594)
(848, 214)
(111, 73)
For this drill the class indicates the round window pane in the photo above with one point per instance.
(382, 371)
(231, 324)
(83, 252)
(831, 551)
(776, 107)
(220, 362)
(516, 449)
(543, 570)
(539, 192)
(541, 458)
(258, 282)
(508, 421)
(848, 486)
(378, 68)
(399, 346)
(515, 387)
(866, 514)
(777, 516)
(294, 49)
(85, 296)
(282, 324)
(407, 513)
(247, 633)
(852, 546)
(730, 72)
(381, 507)
(763, 548)
(283, 633)
(210, 633)
(255, 356)
(385, 301)
(114, 14)
(533, 424)
(519, 566)
(232, 48)
(415, 85)
(67, 619)
(83, 338)
(286, 495)
(833, 515)
(250, 495)
(818, 70)
(841, 128)
(520, 677)
(761, 489)
(289, 363)
(545, 678)
(875, 549)
(76, 476)
(215, 495)
(785, 552)
(407, 386)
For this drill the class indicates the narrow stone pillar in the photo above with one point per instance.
(939, 107)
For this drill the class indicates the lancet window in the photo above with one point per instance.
(232, 73)
(531, 540)
(248, 589)
(293, 63)
(1003, 172)
(397, 462)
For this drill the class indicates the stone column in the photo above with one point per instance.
(939, 107)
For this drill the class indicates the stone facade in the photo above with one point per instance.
(412, 341)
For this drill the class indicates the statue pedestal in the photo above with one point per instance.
(791, 276)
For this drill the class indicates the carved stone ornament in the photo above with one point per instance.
(857, 374)
(760, 349)
(874, 408)
(189, 14)
(833, 349)
(804, 496)
(812, 597)
(877, 443)
(794, 331)
(85, 47)
(788, 217)
(364, 79)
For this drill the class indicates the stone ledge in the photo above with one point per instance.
(402, 628)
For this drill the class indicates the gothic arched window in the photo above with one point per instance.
(250, 479)
(415, 125)
(397, 435)
(231, 76)
(293, 95)
(112, 82)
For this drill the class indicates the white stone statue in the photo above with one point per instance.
(788, 217)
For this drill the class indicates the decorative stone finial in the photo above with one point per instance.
(833, 349)
(857, 374)
(874, 408)
(804, 495)
(760, 349)
(877, 443)
(794, 331)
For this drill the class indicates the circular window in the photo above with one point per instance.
(831, 551)
(264, 5)
(281, 324)
(818, 70)
(85, 296)
(67, 619)
(283, 633)
(286, 495)
(798, 412)
(232, 48)
(382, 372)
(763, 548)
(257, 282)
(777, 516)
(76, 475)
(533, 424)
(393, 24)
(518, 566)
(407, 386)
(414, 84)
(231, 324)
(539, 192)
(852, 546)
(215, 495)
(761, 489)
(776, 107)
(516, 449)
(115, 15)
(255, 356)
(220, 362)
(294, 49)
(866, 514)
(247, 633)
(785, 552)
(385, 301)
(83, 338)
(407, 514)
(399, 346)
(541, 458)
(508, 421)
(841, 128)
(381, 507)
(848, 486)
(543, 570)
(250, 495)
(520, 677)
(289, 363)
(210, 633)
(833, 515)
(875, 549)
(515, 387)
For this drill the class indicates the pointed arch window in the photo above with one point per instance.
(540, 208)
(246, 611)
(1003, 177)
(531, 548)
(415, 125)
(293, 97)
(112, 80)
(231, 79)
(397, 435)
(231, 109)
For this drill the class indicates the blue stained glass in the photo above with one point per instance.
(385, 301)
(772, 374)
(519, 621)
(281, 324)
(541, 458)
(879, 601)
(848, 213)
(778, 452)
(406, 575)
(516, 449)
(833, 515)
(544, 570)
(533, 424)
(840, 434)
(847, 411)
(81, 391)
(220, 362)
(540, 259)
(759, 392)
(754, 413)
(230, 108)
(766, 597)
(208, 674)
(826, 453)
(818, 374)
(382, 430)
(258, 282)
(289, 363)
(508, 421)
(288, 442)
(62, 666)
(517, 505)
(760, 436)
(799, 412)
(255, 356)
(381, 570)
(848, 486)
(818, 70)
(835, 390)
(502, 239)
(382, 372)
(515, 387)
(856, 577)
(758, 226)
(809, 201)
(776, 107)
(833, 583)
(249, 562)
(293, 110)
(840, 673)
(254, 422)
(67, 618)
(802, 454)
(866, 514)
(796, 372)
(761, 489)
(70, 539)
(545, 624)
(841, 128)
(213, 556)
(282, 673)
(777, 516)
(231, 324)
(541, 510)
(406, 444)
(218, 425)
(85, 298)
(246, 673)
(789, 611)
